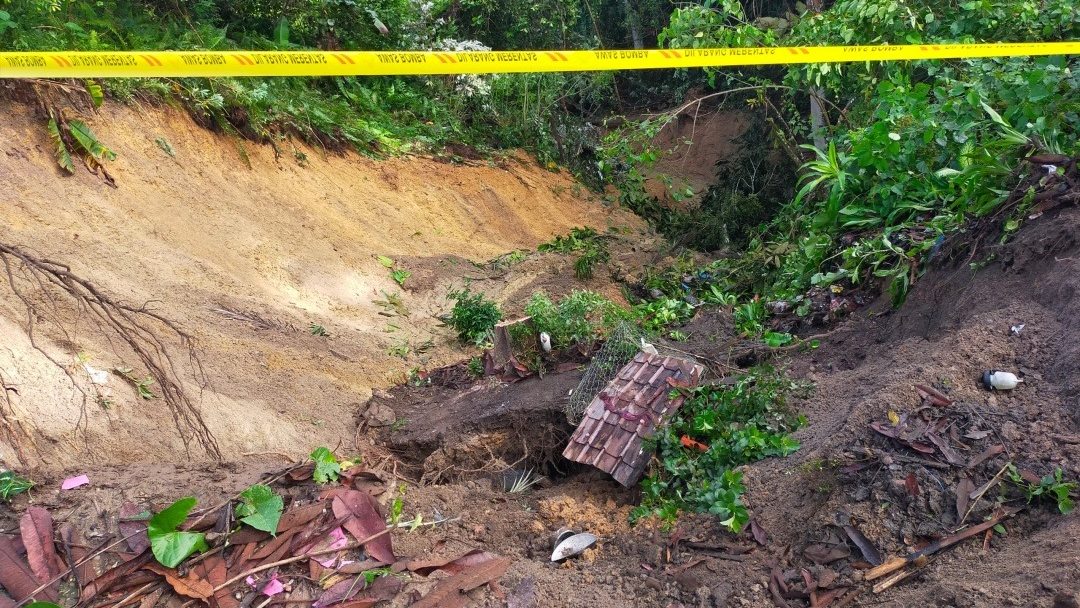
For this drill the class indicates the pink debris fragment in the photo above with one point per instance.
(337, 541)
(273, 587)
(74, 482)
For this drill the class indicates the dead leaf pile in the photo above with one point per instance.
(331, 549)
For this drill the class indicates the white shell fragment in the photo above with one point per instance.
(574, 545)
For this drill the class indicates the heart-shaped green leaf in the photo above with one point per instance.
(260, 508)
(170, 547)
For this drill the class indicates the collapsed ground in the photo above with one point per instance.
(459, 435)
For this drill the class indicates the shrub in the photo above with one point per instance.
(717, 429)
(473, 316)
(581, 317)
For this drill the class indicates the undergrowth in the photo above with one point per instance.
(473, 316)
(718, 429)
(553, 115)
(590, 246)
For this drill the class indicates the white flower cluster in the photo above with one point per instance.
(468, 85)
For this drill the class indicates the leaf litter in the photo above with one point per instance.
(163, 552)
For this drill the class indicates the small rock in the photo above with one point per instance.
(721, 593)
(1064, 599)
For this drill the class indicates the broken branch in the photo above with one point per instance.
(897, 563)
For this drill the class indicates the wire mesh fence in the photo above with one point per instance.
(622, 344)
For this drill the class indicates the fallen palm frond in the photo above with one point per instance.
(145, 332)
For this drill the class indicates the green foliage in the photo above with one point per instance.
(473, 316)
(169, 545)
(12, 485)
(165, 146)
(142, 385)
(260, 508)
(94, 90)
(399, 275)
(476, 366)
(658, 315)
(89, 142)
(592, 249)
(318, 330)
(378, 116)
(910, 152)
(374, 573)
(736, 424)
(63, 156)
(397, 506)
(327, 467)
(1050, 487)
(580, 317)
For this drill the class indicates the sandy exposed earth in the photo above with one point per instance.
(294, 245)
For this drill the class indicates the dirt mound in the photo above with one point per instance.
(247, 259)
(956, 324)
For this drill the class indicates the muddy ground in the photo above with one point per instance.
(462, 434)
(450, 441)
(956, 324)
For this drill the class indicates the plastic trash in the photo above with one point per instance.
(999, 380)
(545, 341)
(573, 545)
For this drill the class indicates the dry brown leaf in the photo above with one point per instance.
(36, 527)
(823, 554)
(364, 520)
(963, 496)
(299, 516)
(932, 395)
(192, 585)
(986, 454)
(867, 548)
(451, 592)
(758, 533)
(15, 574)
(911, 484)
(109, 578)
(134, 531)
(454, 565)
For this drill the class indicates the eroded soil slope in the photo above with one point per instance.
(245, 259)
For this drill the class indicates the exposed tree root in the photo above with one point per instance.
(142, 330)
(12, 425)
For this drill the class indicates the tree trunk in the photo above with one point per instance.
(632, 25)
(817, 118)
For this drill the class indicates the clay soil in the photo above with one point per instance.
(298, 245)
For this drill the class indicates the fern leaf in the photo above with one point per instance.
(86, 139)
(63, 157)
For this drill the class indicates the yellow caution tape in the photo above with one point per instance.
(377, 63)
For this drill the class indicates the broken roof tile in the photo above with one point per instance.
(610, 438)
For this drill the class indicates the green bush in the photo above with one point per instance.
(578, 318)
(717, 429)
(473, 316)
